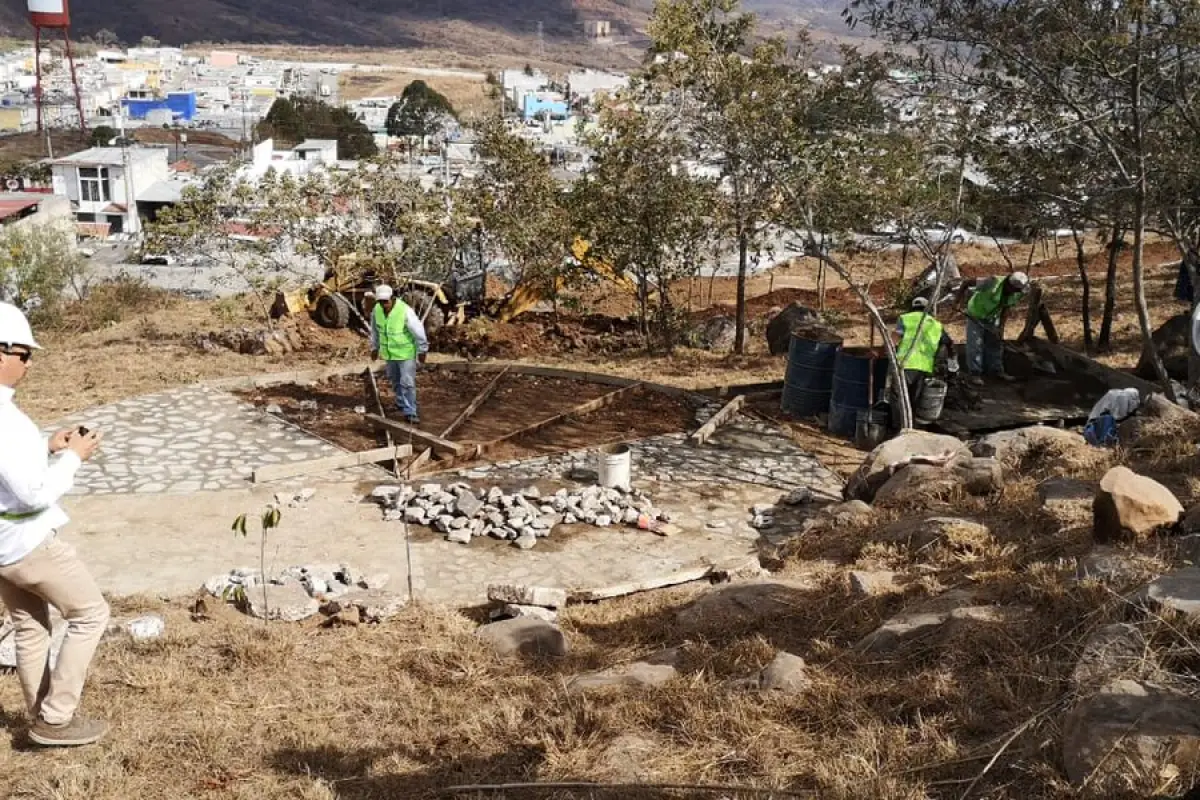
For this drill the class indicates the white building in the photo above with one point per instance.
(303, 159)
(105, 184)
(588, 84)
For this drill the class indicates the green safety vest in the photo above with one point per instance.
(17, 516)
(919, 354)
(987, 302)
(396, 342)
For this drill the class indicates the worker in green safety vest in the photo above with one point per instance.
(987, 309)
(398, 337)
(921, 341)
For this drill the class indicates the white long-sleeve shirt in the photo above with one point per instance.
(415, 327)
(31, 480)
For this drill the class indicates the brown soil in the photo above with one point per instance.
(535, 335)
(518, 402)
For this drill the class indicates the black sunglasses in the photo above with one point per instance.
(24, 355)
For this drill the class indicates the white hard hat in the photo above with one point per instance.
(14, 328)
(919, 302)
(1018, 281)
(383, 292)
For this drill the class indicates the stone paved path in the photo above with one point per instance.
(187, 440)
(199, 445)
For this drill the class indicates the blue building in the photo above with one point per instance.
(536, 104)
(182, 106)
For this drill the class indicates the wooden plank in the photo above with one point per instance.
(438, 444)
(418, 463)
(580, 410)
(1113, 378)
(718, 419)
(474, 405)
(372, 387)
(633, 587)
(721, 392)
(274, 472)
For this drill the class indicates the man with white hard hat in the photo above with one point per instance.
(398, 337)
(987, 311)
(38, 569)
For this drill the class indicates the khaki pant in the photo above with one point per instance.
(53, 575)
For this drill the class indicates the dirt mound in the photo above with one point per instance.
(538, 335)
(293, 335)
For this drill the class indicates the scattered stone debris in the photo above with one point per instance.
(250, 342)
(652, 672)
(145, 628)
(299, 592)
(513, 611)
(1129, 507)
(541, 596)
(869, 584)
(526, 636)
(298, 500)
(522, 517)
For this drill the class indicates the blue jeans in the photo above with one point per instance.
(985, 348)
(402, 375)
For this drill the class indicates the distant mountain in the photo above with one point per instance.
(377, 23)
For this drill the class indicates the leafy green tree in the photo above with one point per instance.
(101, 135)
(38, 264)
(420, 111)
(296, 119)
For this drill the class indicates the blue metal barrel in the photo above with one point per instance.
(809, 376)
(859, 381)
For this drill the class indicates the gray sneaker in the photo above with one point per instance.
(79, 731)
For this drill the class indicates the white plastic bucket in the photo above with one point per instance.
(615, 466)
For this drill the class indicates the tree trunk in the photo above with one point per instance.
(1086, 294)
(1191, 261)
(739, 341)
(904, 260)
(1104, 342)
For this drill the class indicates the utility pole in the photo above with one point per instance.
(541, 42)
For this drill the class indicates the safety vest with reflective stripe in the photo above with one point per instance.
(396, 342)
(919, 353)
(988, 300)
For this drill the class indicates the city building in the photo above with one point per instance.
(105, 184)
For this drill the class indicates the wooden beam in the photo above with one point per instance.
(274, 472)
(658, 582)
(1113, 378)
(474, 405)
(718, 419)
(418, 462)
(438, 444)
(582, 409)
(372, 387)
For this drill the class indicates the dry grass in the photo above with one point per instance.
(468, 96)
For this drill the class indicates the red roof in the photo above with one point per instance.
(10, 208)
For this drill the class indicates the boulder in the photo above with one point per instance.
(741, 605)
(1112, 652)
(1109, 565)
(1119, 739)
(718, 334)
(1178, 591)
(916, 485)
(788, 321)
(1171, 341)
(908, 448)
(525, 636)
(543, 596)
(979, 476)
(287, 603)
(1157, 406)
(639, 674)
(374, 605)
(869, 584)
(1130, 506)
(786, 673)
(1012, 447)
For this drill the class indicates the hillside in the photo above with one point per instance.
(380, 23)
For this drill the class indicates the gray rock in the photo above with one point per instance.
(524, 636)
(1178, 591)
(570, 519)
(526, 541)
(494, 495)
(1012, 447)
(762, 509)
(1108, 565)
(852, 512)
(145, 628)
(906, 627)
(513, 611)
(874, 583)
(630, 517)
(532, 492)
(1113, 652)
(414, 515)
(287, 603)
(799, 497)
(603, 521)
(442, 523)
(459, 535)
(468, 504)
(429, 489)
(376, 580)
(921, 533)
(786, 673)
(385, 495)
(1114, 739)
(522, 595)
(458, 523)
(374, 605)
(639, 674)
(217, 585)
